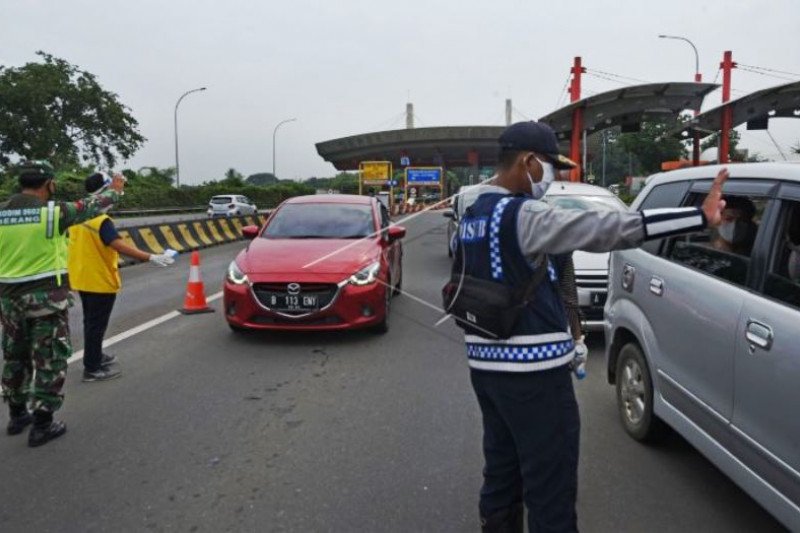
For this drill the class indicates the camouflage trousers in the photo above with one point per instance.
(36, 337)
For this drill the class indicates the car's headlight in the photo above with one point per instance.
(235, 274)
(367, 275)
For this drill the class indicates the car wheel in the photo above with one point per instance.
(383, 326)
(635, 396)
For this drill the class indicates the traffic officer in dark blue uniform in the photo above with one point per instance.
(523, 383)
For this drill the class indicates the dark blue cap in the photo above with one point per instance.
(535, 137)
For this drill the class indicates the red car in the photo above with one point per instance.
(325, 262)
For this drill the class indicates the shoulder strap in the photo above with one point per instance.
(540, 270)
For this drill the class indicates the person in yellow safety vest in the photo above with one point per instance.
(35, 296)
(94, 248)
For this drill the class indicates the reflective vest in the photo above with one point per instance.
(32, 246)
(93, 266)
(541, 338)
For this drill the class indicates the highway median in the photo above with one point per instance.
(187, 236)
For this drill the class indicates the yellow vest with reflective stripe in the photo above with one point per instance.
(31, 245)
(93, 266)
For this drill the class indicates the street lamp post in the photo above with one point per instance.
(177, 162)
(275, 131)
(697, 78)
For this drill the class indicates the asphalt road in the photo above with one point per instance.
(208, 430)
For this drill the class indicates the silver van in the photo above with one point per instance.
(703, 330)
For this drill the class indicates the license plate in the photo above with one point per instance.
(293, 302)
(599, 298)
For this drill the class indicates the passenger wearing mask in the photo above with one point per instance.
(737, 233)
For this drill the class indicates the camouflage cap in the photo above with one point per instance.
(36, 167)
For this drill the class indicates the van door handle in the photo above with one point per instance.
(758, 335)
(657, 286)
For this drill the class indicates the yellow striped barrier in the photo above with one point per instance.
(186, 236)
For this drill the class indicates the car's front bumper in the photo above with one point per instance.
(592, 289)
(352, 307)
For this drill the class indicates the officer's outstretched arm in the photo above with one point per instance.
(76, 212)
(86, 209)
(542, 229)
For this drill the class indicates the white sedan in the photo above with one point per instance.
(591, 269)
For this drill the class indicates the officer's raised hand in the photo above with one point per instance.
(714, 204)
(118, 183)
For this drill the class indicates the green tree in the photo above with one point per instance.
(652, 145)
(261, 179)
(233, 178)
(54, 110)
(734, 153)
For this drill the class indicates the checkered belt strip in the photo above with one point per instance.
(541, 352)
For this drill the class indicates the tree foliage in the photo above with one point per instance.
(261, 179)
(652, 145)
(54, 110)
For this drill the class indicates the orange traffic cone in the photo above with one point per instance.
(195, 300)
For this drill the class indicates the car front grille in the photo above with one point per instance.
(590, 281)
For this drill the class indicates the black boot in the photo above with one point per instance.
(508, 520)
(45, 429)
(20, 418)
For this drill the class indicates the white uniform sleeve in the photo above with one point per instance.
(545, 229)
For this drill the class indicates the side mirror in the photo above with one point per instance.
(449, 213)
(396, 233)
(250, 232)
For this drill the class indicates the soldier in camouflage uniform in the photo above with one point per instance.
(35, 297)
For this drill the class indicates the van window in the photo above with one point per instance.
(723, 252)
(783, 278)
(666, 195)
(221, 200)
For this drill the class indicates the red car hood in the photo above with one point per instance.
(294, 256)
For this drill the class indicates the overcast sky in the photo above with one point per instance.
(344, 67)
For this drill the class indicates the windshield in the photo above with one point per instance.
(321, 221)
(586, 203)
(221, 200)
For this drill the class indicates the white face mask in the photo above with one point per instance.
(734, 232)
(548, 177)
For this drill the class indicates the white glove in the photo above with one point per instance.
(162, 260)
(579, 362)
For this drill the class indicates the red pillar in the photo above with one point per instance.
(727, 66)
(696, 144)
(577, 119)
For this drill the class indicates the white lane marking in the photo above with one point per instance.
(77, 356)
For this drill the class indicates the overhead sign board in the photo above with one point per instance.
(375, 172)
(424, 175)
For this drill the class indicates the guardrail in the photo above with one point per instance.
(185, 236)
(156, 211)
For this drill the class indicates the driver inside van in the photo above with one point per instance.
(737, 233)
